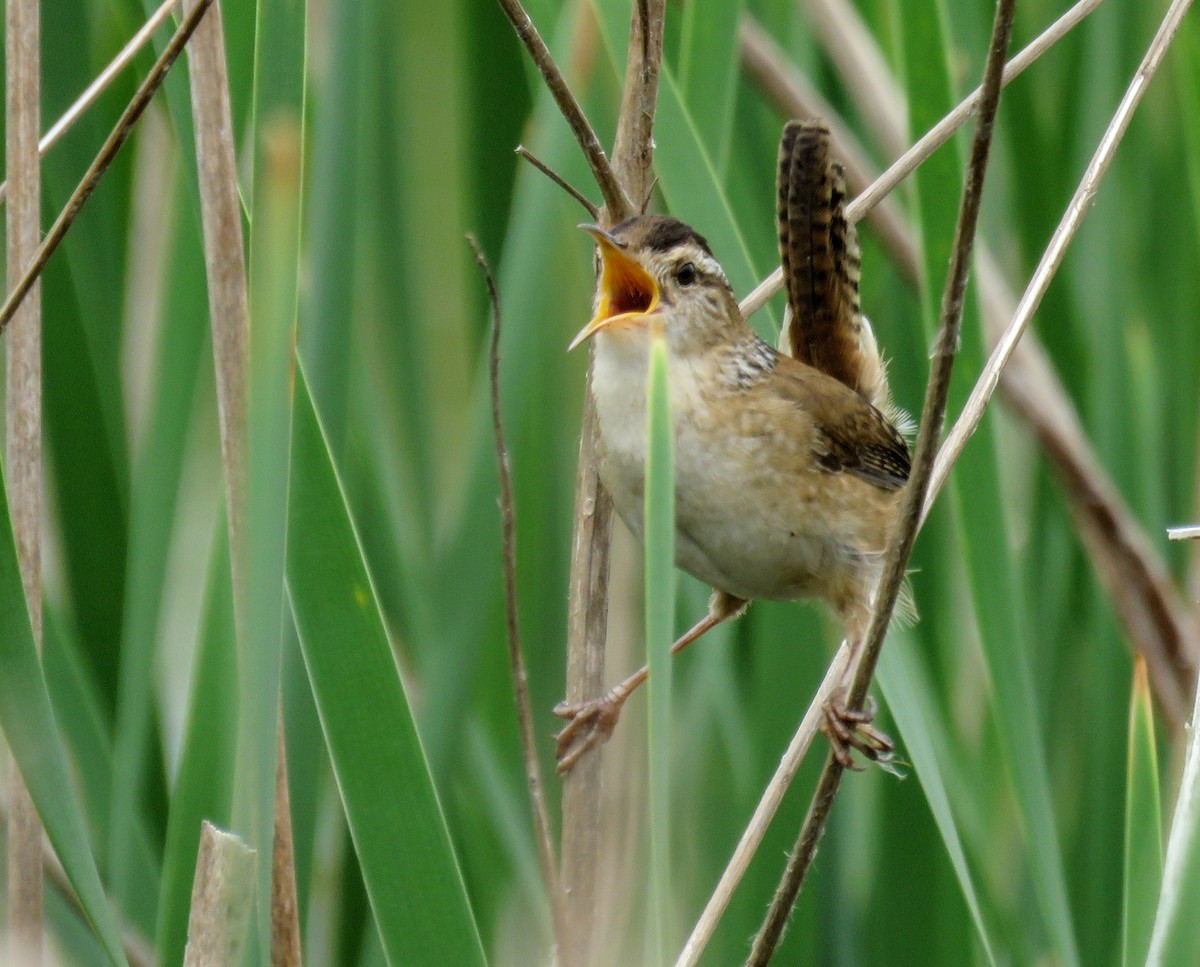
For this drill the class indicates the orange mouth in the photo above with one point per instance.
(628, 294)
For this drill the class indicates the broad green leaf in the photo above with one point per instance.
(707, 72)
(204, 786)
(403, 846)
(912, 703)
(153, 510)
(660, 620)
(274, 197)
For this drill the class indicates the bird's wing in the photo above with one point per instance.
(850, 435)
(821, 259)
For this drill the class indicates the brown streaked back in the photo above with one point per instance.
(821, 260)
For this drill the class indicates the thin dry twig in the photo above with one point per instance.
(559, 180)
(1144, 596)
(1052, 258)
(516, 658)
(938, 135)
(1157, 620)
(582, 847)
(120, 133)
(222, 897)
(104, 79)
(614, 197)
(932, 418)
(23, 435)
(1189, 533)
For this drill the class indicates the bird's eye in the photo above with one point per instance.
(686, 274)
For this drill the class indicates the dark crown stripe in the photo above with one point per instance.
(666, 233)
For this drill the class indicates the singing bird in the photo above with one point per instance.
(789, 464)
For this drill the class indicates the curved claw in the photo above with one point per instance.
(849, 729)
(588, 724)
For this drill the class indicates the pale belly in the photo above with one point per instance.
(754, 517)
(745, 526)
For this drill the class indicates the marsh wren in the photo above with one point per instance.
(788, 464)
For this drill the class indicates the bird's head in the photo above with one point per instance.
(656, 268)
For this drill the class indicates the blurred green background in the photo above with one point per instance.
(1012, 694)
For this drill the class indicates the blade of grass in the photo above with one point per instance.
(1175, 938)
(86, 438)
(204, 785)
(913, 703)
(335, 214)
(1143, 829)
(408, 864)
(707, 71)
(153, 507)
(660, 622)
(277, 125)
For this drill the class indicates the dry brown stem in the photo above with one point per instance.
(99, 166)
(285, 914)
(1155, 615)
(225, 267)
(582, 848)
(615, 198)
(559, 180)
(222, 898)
(228, 295)
(932, 417)
(102, 82)
(23, 434)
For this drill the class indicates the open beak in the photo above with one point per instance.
(628, 294)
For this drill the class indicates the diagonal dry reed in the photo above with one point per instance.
(102, 82)
(932, 417)
(120, 133)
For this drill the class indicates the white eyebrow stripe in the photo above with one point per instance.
(707, 265)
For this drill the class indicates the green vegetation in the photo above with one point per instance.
(1029, 828)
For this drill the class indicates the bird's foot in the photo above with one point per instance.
(588, 724)
(852, 729)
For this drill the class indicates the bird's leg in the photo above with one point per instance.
(848, 728)
(591, 723)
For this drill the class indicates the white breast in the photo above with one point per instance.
(739, 527)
